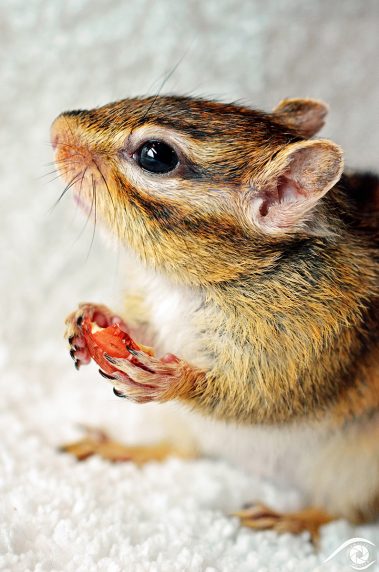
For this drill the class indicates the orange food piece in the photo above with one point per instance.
(112, 341)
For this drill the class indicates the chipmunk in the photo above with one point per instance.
(258, 284)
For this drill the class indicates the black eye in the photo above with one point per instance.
(156, 157)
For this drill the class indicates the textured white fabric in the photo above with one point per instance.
(56, 514)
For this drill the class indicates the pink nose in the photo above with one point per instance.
(59, 131)
(70, 147)
(64, 127)
(54, 141)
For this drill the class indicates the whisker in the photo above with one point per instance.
(60, 161)
(92, 201)
(58, 176)
(95, 214)
(107, 187)
(62, 144)
(89, 215)
(58, 164)
(68, 186)
(56, 171)
(161, 86)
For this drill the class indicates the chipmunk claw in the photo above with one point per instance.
(106, 375)
(118, 394)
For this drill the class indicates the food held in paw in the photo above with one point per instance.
(112, 341)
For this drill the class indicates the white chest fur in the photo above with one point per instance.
(173, 312)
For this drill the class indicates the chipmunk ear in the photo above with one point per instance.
(306, 116)
(292, 182)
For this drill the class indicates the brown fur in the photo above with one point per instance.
(290, 318)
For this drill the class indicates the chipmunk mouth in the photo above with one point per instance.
(80, 181)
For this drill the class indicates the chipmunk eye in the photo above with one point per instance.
(156, 157)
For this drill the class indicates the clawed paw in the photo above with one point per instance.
(95, 333)
(142, 377)
(96, 313)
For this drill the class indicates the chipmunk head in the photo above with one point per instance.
(201, 190)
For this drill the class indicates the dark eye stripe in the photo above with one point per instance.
(156, 157)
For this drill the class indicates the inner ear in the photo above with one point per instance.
(306, 116)
(292, 183)
(285, 190)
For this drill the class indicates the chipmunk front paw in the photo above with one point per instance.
(142, 378)
(96, 313)
(95, 333)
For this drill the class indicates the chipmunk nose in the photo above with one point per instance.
(64, 126)
(73, 152)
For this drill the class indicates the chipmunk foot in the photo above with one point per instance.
(97, 313)
(98, 442)
(260, 517)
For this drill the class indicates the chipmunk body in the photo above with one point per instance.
(309, 454)
(258, 270)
